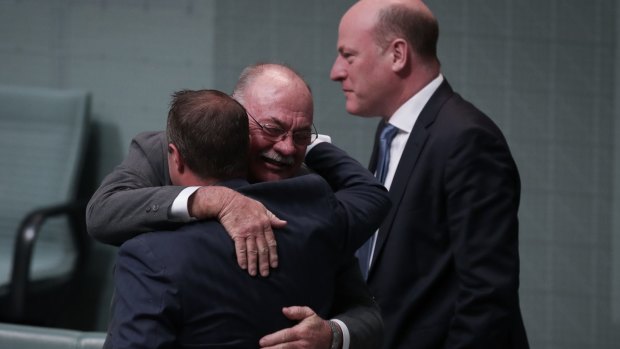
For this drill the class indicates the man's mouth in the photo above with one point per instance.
(276, 160)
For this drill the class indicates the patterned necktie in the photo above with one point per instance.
(383, 159)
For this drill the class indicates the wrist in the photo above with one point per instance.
(207, 202)
(336, 342)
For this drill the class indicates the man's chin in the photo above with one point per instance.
(357, 110)
(352, 108)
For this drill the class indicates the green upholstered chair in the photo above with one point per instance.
(42, 140)
(31, 337)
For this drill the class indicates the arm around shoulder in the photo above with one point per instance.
(136, 197)
(362, 199)
(356, 308)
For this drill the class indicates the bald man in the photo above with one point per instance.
(444, 265)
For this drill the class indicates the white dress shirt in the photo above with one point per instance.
(404, 119)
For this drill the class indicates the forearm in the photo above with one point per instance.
(114, 215)
(363, 200)
(339, 169)
(211, 202)
(136, 196)
(355, 307)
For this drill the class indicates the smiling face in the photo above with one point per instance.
(281, 100)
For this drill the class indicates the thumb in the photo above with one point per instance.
(275, 221)
(297, 313)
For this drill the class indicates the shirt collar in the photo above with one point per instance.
(405, 117)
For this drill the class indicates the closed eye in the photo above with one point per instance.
(273, 130)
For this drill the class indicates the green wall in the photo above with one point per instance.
(543, 70)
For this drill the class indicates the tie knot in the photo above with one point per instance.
(388, 133)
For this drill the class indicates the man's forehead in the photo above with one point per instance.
(286, 118)
(279, 106)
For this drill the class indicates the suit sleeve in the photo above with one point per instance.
(364, 202)
(482, 185)
(135, 197)
(355, 307)
(361, 198)
(146, 306)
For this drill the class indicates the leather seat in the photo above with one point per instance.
(42, 141)
(31, 337)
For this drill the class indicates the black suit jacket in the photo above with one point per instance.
(446, 268)
(136, 197)
(184, 289)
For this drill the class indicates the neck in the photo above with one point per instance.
(189, 178)
(411, 85)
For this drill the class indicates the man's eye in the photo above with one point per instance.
(273, 130)
(302, 136)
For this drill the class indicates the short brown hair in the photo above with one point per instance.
(210, 130)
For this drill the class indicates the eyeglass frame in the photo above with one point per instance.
(269, 129)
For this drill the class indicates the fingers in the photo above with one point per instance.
(311, 331)
(297, 313)
(252, 254)
(241, 252)
(278, 339)
(263, 255)
(247, 253)
(272, 247)
(251, 226)
(275, 221)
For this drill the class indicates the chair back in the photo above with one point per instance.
(42, 140)
(36, 337)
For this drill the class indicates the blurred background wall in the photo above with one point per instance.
(545, 71)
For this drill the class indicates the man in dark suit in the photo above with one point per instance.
(138, 196)
(444, 266)
(183, 288)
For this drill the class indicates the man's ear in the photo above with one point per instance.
(400, 54)
(175, 160)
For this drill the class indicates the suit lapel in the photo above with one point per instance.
(415, 144)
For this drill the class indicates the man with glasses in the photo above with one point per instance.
(138, 197)
(278, 100)
(181, 288)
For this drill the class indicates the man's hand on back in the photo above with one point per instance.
(312, 332)
(247, 221)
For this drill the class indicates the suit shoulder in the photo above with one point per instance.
(308, 185)
(159, 247)
(149, 137)
(309, 195)
(458, 117)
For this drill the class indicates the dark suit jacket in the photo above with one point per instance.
(446, 268)
(183, 288)
(137, 197)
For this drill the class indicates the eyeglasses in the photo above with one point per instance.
(276, 133)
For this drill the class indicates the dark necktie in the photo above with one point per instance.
(383, 159)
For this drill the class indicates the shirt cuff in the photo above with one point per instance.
(179, 212)
(319, 139)
(346, 338)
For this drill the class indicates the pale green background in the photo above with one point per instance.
(545, 71)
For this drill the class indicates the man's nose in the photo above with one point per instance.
(337, 73)
(285, 145)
